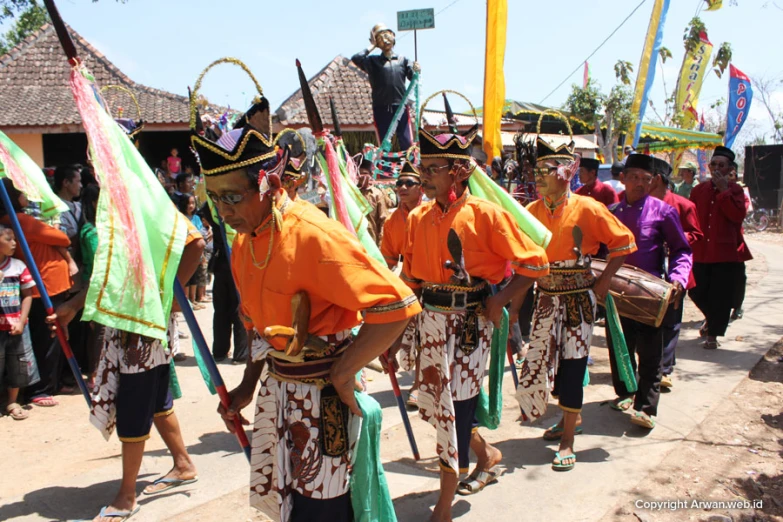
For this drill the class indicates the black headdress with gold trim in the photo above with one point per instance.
(131, 127)
(548, 151)
(296, 150)
(411, 163)
(452, 144)
(254, 145)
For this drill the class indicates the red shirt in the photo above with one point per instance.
(689, 221)
(720, 218)
(599, 192)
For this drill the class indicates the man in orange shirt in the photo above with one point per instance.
(287, 252)
(392, 246)
(455, 337)
(566, 307)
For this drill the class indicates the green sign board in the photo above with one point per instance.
(416, 19)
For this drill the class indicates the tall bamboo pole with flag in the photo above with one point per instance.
(141, 235)
(494, 77)
(647, 65)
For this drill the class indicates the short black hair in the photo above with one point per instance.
(13, 194)
(65, 173)
(89, 197)
(182, 203)
(183, 177)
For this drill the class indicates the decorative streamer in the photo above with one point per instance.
(695, 65)
(28, 177)
(494, 78)
(740, 97)
(646, 75)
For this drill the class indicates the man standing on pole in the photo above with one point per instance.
(387, 72)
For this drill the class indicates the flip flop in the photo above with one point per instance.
(413, 401)
(622, 405)
(478, 481)
(559, 466)
(171, 483)
(556, 432)
(642, 419)
(15, 406)
(122, 515)
(711, 345)
(46, 401)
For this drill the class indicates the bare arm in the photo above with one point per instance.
(27, 301)
(601, 287)
(372, 341)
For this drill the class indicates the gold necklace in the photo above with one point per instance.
(276, 215)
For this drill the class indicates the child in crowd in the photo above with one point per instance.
(17, 364)
(187, 206)
(174, 163)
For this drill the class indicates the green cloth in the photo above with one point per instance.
(203, 369)
(623, 360)
(176, 391)
(88, 240)
(684, 190)
(342, 157)
(114, 298)
(483, 187)
(490, 407)
(29, 178)
(370, 496)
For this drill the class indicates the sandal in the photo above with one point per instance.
(558, 465)
(711, 345)
(622, 404)
(642, 419)
(556, 432)
(170, 483)
(413, 401)
(16, 412)
(122, 515)
(477, 481)
(46, 401)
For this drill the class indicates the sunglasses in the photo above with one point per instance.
(407, 183)
(229, 199)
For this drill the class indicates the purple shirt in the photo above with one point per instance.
(654, 223)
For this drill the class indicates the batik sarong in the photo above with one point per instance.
(562, 329)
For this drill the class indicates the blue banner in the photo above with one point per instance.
(740, 96)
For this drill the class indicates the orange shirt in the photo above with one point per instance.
(598, 226)
(490, 240)
(319, 256)
(393, 240)
(44, 242)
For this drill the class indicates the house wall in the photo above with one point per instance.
(32, 144)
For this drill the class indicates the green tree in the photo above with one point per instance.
(29, 21)
(610, 113)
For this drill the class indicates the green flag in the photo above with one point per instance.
(28, 177)
(483, 187)
(141, 235)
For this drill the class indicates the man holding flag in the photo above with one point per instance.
(304, 282)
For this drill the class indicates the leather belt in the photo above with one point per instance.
(454, 297)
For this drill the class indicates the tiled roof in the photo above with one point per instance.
(34, 87)
(346, 84)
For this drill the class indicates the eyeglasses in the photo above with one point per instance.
(229, 199)
(433, 170)
(541, 172)
(407, 183)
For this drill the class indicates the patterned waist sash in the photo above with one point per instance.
(454, 298)
(564, 280)
(308, 368)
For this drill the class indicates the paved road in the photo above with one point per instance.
(62, 469)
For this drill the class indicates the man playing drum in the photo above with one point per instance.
(686, 210)
(653, 223)
(566, 306)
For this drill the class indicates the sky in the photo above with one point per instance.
(166, 43)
